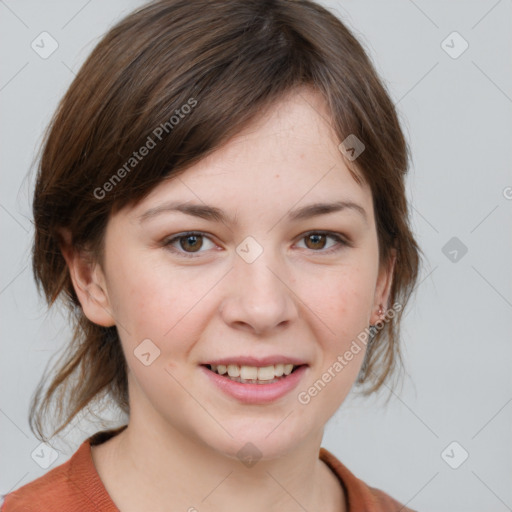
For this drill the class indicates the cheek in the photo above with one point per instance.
(154, 301)
(144, 302)
(343, 297)
(141, 284)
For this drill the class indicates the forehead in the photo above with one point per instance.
(288, 156)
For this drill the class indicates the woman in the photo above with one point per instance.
(220, 202)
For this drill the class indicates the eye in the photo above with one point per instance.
(315, 240)
(192, 240)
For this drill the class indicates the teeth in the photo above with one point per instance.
(233, 370)
(278, 370)
(248, 372)
(266, 373)
(263, 373)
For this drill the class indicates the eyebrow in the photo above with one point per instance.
(215, 214)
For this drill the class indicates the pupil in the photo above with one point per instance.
(315, 238)
(192, 237)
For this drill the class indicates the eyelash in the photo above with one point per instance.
(341, 241)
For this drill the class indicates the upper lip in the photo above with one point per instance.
(257, 361)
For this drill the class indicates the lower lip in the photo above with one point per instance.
(256, 393)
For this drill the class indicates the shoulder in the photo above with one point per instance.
(74, 486)
(385, 502)
(53, 490)
(360, 496)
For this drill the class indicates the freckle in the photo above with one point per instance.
(277, 175)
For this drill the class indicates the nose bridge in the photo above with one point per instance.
(259, 296)
(259, 275)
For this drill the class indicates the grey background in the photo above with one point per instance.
(456, 113)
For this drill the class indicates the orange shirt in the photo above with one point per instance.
(75, 486)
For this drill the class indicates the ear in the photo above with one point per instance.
(88, 281)
(383, 288)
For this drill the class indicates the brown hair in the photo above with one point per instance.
(229, 60)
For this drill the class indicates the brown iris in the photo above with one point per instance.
(317, 238)
(196, 242)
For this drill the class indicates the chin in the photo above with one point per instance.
(260, 439)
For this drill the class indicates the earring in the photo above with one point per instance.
(372, 331)
(373, 328)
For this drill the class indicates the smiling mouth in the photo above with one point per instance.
(254, 374)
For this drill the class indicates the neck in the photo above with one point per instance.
(159, 468)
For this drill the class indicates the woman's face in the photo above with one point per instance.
(263, 282)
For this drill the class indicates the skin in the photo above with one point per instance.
(294, 299)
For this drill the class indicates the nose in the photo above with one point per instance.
(259, 297)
